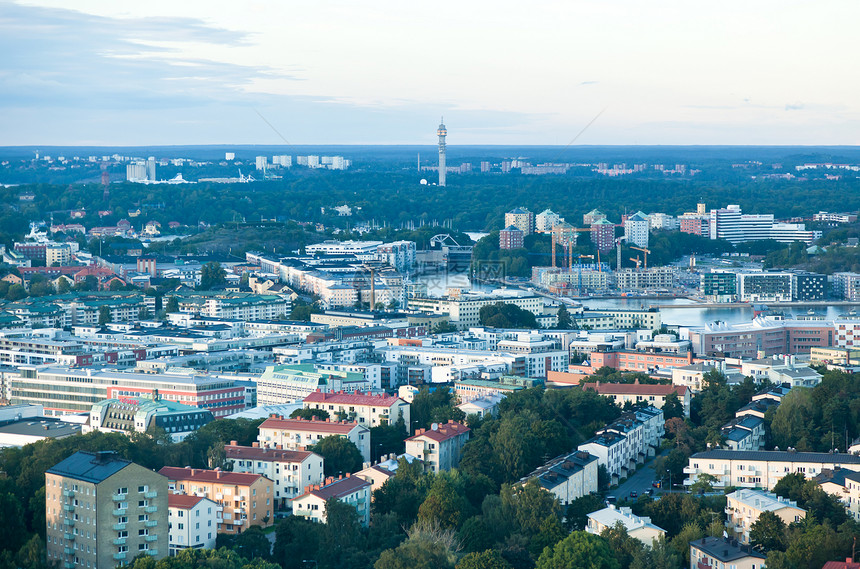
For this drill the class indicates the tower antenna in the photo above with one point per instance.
(442, 132)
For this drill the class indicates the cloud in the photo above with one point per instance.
(795, 107)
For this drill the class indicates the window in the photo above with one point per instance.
(122, 490)
(143, 531)
(142, 503)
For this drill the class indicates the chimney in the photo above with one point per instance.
(234, 443)
(255, 444)
(193, 471)
(348, 474)
(218, 474)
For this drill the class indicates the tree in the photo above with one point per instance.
(564, 321)
(503, 315)
(211, 275)
(704, 483)
(104, 315)
(581, 550)
(577, 512)
(16, 292)
(444, 327)
(172, 305)
(144, 313)
(310, 414)
(768, 532)
(443, 505)
(488, 559)
(672, 407)
(340, 455)
(116, 284)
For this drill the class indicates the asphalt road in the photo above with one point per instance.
(640, 482)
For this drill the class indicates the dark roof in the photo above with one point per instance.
(92, 467)
(780, 455)
(723, 549)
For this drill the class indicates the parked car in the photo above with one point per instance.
(633, 494)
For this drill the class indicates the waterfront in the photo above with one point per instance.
(675, 311)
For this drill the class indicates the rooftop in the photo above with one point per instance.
(357, 398)
(183, 501)
(779, 456)
(724, 550)
(262, 453)
(92, 467)
(200, 475)
(313, 425)
(442, 432)
(339, 488)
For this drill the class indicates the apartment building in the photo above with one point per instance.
(744, 433)
(295, 434)
(567, 477)
(439, 447)
(511, 238)
(193, 522)
(464, 309)
(743, 508)
(724, 553)
(653, 278)
(845, 485)
(627, 441)
(638, 527)
(636, 229)
(764, 468)
(351, 490)
(366, 409)
(290, 470)
(103, 511)
(765, 287)
(635, 393)
(522, 219)
(243, 499)
(470, 389)
(763, 336)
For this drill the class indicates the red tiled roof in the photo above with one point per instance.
(216, 476)
(356, 398)
(267, 454)
(636, 388)
(315, 426)
(339, 488)
(847, 564)
(184, 501)
(446, 431)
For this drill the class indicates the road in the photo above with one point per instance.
(640, 482)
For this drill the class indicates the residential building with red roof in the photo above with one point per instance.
(350, 490)
(440, 446)
(193, 522)
(367, 409)
(849, 563)
(243, 499)
(295, 434)
(651, 394)
(291, 470)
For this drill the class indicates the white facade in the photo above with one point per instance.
(290, 470)
(546, 220)
(193, 522)
(296, 434)
(636, 229)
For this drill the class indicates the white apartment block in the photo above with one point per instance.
(763, 469)
(192, 522)
(290, 470)
(636, 229)
(351, 490)
(546, 220)
(296, 434)
(366, 409)
(567, 477)
(638, 527)
(626, 442)
(845, 485)
(464, 309)
(743, 508)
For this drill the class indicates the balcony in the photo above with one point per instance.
(151, 538)
(69, 522)
(151, 494)
(119, 497)
(120, 512)
(68, 507)
(690, 470)
(152, 551)
(69, 493)
(68, 550)
(120, 541)
(150, 509)
(151, 523)
(69, 536)
(68, 565)
(119, 556)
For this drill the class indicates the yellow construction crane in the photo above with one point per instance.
(636, 260)
(645, 251)
(559, 237)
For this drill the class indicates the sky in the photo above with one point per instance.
(586, 72)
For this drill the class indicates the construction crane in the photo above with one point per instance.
(636, 260)
(558, 232)
(645, 251)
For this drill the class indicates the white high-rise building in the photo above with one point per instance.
(150, 169)
(229, 156)
(262, 162)
(546, 220)
(313, 161)
(636, 229)
(283, 160)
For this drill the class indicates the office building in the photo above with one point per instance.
(141, 414)
(103, 511)
(292, 383)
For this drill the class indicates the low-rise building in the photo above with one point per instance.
(845, 485)
(744, 433)
(289, 470)
(721, 552)
(351, 490)
(439, 447)
(635, 393)
(743, 508)
(366, 409)
(244, 499)
(763, 468)
(295, 434)
(638, 527)
(568, 477)
(193, 522)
